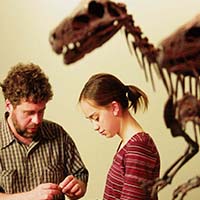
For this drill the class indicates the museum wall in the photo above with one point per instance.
(25, 29)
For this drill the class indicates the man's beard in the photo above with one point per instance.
(20, 131)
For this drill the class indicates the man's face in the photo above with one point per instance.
(26, 117)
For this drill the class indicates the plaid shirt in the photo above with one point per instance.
(49, 158)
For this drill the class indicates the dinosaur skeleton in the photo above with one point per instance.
(176, 62)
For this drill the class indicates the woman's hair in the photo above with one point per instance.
(26, 81)
(104, 88)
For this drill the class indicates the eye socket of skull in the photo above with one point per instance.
(80, 21)
(96, 9)
(192, 34)
(112, 10)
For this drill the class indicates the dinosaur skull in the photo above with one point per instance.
(188, 109)
(181, 53)
(87, 29)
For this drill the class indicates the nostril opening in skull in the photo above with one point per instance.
(192, 34)
(80, 21)
(96, 9)
(52, 37)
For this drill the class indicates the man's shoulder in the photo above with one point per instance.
(50, 123)
(52, 129)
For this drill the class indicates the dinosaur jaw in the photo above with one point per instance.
(77, 50)
(87, 29)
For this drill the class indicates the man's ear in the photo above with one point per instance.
(9, 106)
(115, 108)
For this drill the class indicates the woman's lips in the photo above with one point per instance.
(102, 132)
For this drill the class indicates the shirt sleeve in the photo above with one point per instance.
(141, 165)
(74, 163)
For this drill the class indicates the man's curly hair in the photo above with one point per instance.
(28, 82)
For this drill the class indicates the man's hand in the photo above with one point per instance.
(72, 187)
(45, 191)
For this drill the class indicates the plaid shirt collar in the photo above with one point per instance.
(7, 136)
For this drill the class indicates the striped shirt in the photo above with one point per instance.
(136, 163)
(49, 158)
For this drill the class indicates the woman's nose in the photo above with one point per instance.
(95, 126)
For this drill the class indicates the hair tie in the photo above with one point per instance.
(127, 88)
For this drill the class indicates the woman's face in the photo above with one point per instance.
(103, 119)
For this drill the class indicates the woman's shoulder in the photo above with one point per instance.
(140, 137)
(142, 140)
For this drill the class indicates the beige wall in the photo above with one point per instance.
(25, 27)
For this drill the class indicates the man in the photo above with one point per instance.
(38, 159)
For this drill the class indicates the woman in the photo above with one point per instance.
(105, 101)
